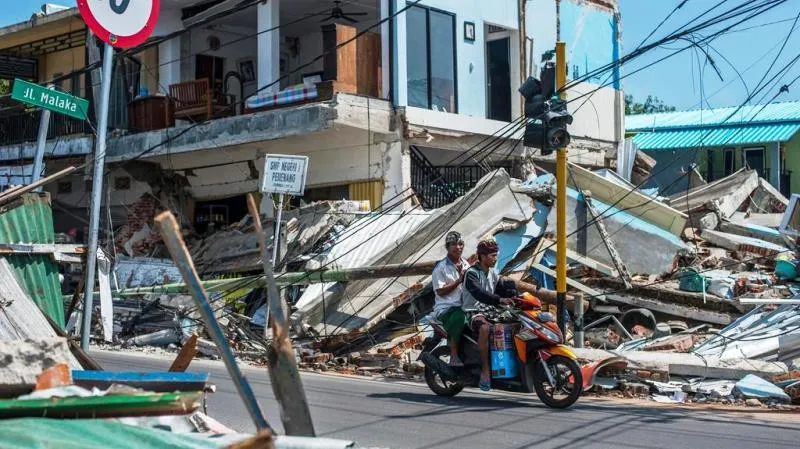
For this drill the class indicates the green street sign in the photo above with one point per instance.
(53, 100)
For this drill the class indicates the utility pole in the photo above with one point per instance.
(561, 200)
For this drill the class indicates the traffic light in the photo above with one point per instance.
(547, 115)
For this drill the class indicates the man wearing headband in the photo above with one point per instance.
(446, 280)
(484, 290)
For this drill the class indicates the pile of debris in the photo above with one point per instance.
(696, 287)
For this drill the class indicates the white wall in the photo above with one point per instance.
(81, 192)
(471, 85)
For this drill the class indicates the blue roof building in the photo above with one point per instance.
(720, 141)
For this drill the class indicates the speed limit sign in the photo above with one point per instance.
(121, 23)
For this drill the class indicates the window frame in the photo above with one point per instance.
(429, 71)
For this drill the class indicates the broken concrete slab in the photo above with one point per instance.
(767, 198)
(624, 226)
(725, 195)
(745, 229)
(634, 202)
(22, 361)
(767, 220)
(688, 364)
(752, 386)
(740, 243)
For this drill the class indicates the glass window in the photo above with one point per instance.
(417, 50)
(431, 51)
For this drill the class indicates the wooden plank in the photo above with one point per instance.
(673, 309)
(571, 282)
(185, 356)
(634, 203)
(612, 250)
(586, 261)
(112, 406)
(41, 248)
(159, 382)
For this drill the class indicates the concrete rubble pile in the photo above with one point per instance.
(713, 255)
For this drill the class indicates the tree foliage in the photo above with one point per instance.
(651, 105)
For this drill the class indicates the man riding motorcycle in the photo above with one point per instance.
(483, 291)
(446, 280)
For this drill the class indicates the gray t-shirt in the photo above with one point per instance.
(446, 272)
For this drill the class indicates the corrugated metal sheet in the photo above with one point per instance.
(30, 220)
(705, 137)
(363, 242)
(371, 191)
(20, 318)
(774, 112)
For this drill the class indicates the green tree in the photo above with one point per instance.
(651, 105)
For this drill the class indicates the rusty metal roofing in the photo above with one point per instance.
(29, 219)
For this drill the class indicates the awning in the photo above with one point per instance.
(676, 139)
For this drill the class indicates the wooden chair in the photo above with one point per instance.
(196, 99)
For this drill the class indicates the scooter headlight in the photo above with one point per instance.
(539, 328)
(547, 317)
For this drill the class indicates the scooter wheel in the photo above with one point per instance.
(567, 377)
(435, 382)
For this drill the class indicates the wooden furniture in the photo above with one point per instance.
(196, 99)
(150, 113)
(354, 67)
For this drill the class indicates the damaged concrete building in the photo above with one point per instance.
(375, 118)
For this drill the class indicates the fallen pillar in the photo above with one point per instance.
(297, 278)
(21, 362)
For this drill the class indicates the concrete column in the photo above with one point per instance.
(400, 56)
(386, 41)
(269, 47)
(169, 51)
(775, 165)
(396, 174)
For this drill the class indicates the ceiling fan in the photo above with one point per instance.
(337, 13)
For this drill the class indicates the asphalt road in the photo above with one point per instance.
(403, 415)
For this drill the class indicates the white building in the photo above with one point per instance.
(378, 117)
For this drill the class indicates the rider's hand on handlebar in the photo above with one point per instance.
(507, 302)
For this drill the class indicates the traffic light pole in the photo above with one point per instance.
(561, 202)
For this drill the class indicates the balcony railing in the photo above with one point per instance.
(24, 127)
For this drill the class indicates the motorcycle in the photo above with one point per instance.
(527, 355)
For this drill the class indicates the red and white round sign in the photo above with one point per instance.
(121, 23)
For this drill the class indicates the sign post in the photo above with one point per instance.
(124, 24)
(282, 174)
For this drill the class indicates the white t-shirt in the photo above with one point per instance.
(446, 272)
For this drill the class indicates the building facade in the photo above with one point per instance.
(764, 137)
(406, 94)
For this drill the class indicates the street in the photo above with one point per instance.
(404, 415)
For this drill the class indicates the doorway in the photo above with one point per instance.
(210, 67)
(754, 159)
(498, 78)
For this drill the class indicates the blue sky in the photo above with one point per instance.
(678, 81)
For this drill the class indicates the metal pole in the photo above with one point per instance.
(276, 237)
(561, 202)
(41, 143)
(170, 232)
(97, 194)
(578, 334)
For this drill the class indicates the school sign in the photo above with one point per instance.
(53, 100)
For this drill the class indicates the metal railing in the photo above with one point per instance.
(23, 126)
(438, 186)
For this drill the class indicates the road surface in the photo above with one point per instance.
(405, 415)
